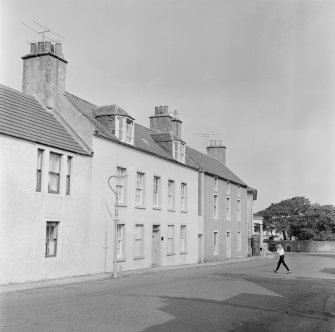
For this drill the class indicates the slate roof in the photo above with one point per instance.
(143, 136)
(21, 116)
(212, 166)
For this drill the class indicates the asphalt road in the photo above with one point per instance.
(240, 296)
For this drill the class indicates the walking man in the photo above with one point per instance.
(280, 251)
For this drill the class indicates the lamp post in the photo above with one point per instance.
(116, 220)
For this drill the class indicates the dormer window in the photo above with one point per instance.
(124, 129)
(179, 151)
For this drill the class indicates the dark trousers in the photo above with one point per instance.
(282, 260)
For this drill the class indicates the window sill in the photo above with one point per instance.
(156, 208)
(53, 194)
(184, 211)
(140, 207)
(122, 205)
(120, 260)
(183, 252)
(138, 258)
(171, 254)
(171, 210)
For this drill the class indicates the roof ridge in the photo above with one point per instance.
(84, 100)
(218, 162)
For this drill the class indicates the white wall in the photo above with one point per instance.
(24, 213)
(107, 157)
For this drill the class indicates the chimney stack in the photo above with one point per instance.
(176, 125)
(217, 150)
(162, 120)
(44, 70)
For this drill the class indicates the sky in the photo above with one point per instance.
(259, 75)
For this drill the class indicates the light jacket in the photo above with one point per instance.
(280, 251)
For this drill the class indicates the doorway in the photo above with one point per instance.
(228, 245)
(156, 245)
(199, 248)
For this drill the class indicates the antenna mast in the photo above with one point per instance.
(43, 32)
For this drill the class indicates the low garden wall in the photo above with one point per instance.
(304, 246)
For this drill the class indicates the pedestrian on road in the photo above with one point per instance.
(280, 251)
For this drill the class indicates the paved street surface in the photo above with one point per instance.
(237, 296)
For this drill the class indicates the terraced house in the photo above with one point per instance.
(70, 168)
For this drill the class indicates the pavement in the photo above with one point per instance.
(301, 270)
(102, 276)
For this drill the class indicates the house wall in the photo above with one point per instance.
(221, 224)
(24, 213)
(107, 157)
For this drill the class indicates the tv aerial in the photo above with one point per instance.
(44, 32)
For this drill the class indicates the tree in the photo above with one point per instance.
(318, 223)
(281, 216)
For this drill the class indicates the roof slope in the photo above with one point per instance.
(21, 116)
(213, 166)
(143, 139)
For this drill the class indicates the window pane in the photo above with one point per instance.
(183, 238)
(51, 239)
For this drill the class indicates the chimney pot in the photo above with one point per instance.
(47, 46)
(166, 109)
(40, 47)
(58, 49)
(33, 48)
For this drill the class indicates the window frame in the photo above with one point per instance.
(228, 188)
(215, 206)
(121, 242)
(55, 225)
(156, 194)
(179, 151)
(140, 189)
(183, 197)
(239, 240)
(238, 210)
(69, 167)
(53, 173)
(124, 129)
(238, 190)
(215, 243)
(171, 246)
(183, 239)
(121, 185)
(216, 183)
(228, 208)
(39, 169)
(171, 195)
(141, 239)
